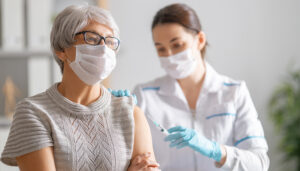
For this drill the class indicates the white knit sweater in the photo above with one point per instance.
(88, 138)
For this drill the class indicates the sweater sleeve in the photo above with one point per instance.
(250, 147)
(29, 132)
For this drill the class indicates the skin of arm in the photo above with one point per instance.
(142, 135)
(42, 159)
(142, 155)
(223, 158)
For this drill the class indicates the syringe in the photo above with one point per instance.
(158, 126)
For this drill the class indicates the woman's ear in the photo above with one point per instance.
(61, 55)
(202, 40)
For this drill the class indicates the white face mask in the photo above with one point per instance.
(93, 63)
(179, 65)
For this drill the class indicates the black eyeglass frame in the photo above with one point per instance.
(101, 38)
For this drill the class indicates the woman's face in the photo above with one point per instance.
(172, 38)
(70, 53)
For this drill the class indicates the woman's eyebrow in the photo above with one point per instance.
(156, 43)
(174, 39)
(94, 31)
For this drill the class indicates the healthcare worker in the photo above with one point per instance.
(211, 119)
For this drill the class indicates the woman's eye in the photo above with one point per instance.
(177, 45)
(161, 49)
(108, 42)
(92, 39)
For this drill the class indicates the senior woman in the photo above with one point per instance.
(77, 124)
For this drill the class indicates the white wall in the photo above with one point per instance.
(250, 40)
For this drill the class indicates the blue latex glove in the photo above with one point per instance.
(181, 137)
(121, 93)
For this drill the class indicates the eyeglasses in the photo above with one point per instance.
(93, 38)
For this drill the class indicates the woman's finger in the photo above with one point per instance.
(137, 159)
(152, 169)
(146, 163)
(153, 164)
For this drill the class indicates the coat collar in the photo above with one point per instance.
(213, 81)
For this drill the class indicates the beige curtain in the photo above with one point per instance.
(104, 4)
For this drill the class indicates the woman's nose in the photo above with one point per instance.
(102, 42)
(168, 52)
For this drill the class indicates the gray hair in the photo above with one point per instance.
(71, 20)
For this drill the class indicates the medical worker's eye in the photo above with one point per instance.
(177, 45)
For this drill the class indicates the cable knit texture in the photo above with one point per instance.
(84, 138)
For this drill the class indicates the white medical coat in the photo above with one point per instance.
(224, 113)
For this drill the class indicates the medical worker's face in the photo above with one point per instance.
(172, 38)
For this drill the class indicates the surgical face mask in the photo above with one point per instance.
(93, 63)
(179, 65)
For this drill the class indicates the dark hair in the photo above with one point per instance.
(180, 14)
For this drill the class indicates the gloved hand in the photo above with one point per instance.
(121, 93)
(181, 137)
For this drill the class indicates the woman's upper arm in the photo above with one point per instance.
(142, 135)
(42, 159)
(249, 132)
(30, 131)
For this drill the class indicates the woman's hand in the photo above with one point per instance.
(143, 162)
